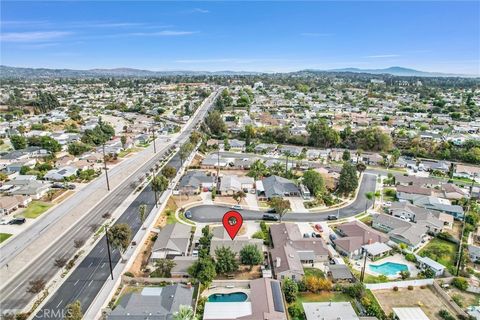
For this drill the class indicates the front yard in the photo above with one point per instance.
(35, 209)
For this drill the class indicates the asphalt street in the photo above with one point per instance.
(13, 296)
(214, 213)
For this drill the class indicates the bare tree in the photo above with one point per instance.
(60, 262)
(36, 286)
(78, 243)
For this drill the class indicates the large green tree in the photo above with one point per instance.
(258, 169)
(290, 290)
(74, 311)
(120, 236)
(18, 142)
(280, 206)
(225, 260)
(203, 270)
(250, 255)
(215, 123)
(321, 134)
(313, 180)
(348, 181)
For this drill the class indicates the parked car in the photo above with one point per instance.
(237, 207)
(270, 217)
(71, 186)
(271, 211)
(316, 235)
(332, 217)
(4, 222)
(188, 214)
(332, 236)
(57, 185)
(318, 227)
(306, 235)
(20, 220)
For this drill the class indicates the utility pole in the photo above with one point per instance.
(154, 145)
(460, 247)
(105, 166)
(108, 250)
(362, 274)
(218, 168)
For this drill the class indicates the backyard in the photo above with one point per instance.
(324, 296)
(35, 209)
(441, 251)
(425, 298)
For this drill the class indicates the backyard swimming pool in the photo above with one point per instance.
(228, 297)
(389, 268)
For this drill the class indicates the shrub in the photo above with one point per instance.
(395, 288)
(444, 314)
(129, 274)
(410, 288)
(410, 257)
(458, 299)
(295, 312)
(460, 283)
(356, 290)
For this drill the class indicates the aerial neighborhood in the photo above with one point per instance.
(359, 197)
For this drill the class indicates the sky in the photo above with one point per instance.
(268, 36)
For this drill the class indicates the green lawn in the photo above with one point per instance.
(368, 278)
(4, 236)
(441, 251)
(314, 272)
(35, 208)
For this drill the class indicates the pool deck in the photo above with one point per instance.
(397, 258)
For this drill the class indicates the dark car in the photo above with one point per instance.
(71, 186)
(58, 185)
(17, 221)
(271, 211)
(270, 217)
(332, 217)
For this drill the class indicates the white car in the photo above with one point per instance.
(388, 204)
(237, 207)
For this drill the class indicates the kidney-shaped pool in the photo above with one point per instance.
(228, 297)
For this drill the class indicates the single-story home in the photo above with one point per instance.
(61, 174)
(409, 313)
(193, 182)
(425, 262)
(276, 186)
(231, 183)
(329, 311)
(340, 272)
(172, 240)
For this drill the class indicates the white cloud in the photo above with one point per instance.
(36, 36)
(165, 33)
(199, 10)
(383, 56)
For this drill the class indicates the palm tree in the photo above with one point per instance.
(184, 313)
(370, 196)
(159, 184)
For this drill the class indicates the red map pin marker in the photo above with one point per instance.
(232, 222)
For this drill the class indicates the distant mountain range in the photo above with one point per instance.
(14, 72)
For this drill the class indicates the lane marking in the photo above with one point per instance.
(58, 305)
(90, 283)
(102, 250)
(90, 264)
(103, 265)
(76, 282)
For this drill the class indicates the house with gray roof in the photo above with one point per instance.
(340, 272)
(32, 188)
(173, 240)
(61, 174)
(410, 193)
(275, 186)
(192, 182)
(222, 239)
(353, 235)
(329, 311)
(230, 184)
(290, 251)
(474, 253)
(401, 231)
(439, 204)
(153, 303)
(427, 263)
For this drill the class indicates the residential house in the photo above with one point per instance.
(353, 236)
(340, 272)
(426, 263)
(193, 182)
(153, 303)
(414, 313)
(9, 204)
(401, 231)
(409, 212)
(266, 302)
(417, 181)
(265, 148)
(410, 193)
(439, 204)
(172, 240)
(61, 174)
(231, 183)
(329, 311)
(290, 251)
(275, 186)
(450, 191)
(32, 188)
(291, 151)
(474, 253)
(213, 160)
(236, 144)
(466, 171)
(222, 239)
(182, 263)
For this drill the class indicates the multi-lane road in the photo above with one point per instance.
(13, 296)
(214, 213)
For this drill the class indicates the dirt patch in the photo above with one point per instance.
(426, 299)
(141, 260)
(62, 196)
(197, 160)
(466, 298)
(228, 199)
(244, 273)
(182, 201)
